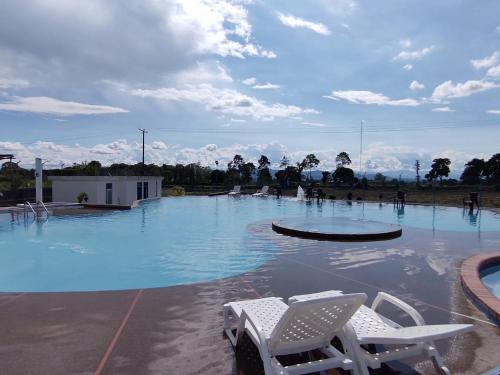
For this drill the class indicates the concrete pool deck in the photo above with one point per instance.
(178, 329)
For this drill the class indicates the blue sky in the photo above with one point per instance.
(211, 78)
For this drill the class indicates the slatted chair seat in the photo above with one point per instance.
(367, 327)
(279, 329)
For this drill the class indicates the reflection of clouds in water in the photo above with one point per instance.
(437, 245)
(411, 269)
(356, 257)
(438, 263)
(34, 241)
(74, 248)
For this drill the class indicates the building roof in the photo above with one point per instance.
(104, 178)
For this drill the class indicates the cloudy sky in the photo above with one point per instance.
(211, 78)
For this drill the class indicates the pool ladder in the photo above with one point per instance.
(36, 213)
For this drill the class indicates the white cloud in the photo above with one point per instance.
(443, 109)
(6, 83)
(414, 55)
(408, 67)
(314, 124)
(498, 29)
(121, 41)
(296, 22)
(249, 81)
(486, 62)
(341, 7)
(405, 43)
(449, 90)
(207, 71)
(494, 71)
(377, 157)
(494, 111)
(158, 145)
(11, 146)
(368, 97)
(415, 86)
(46, 105)
(266, 86)
(226, 101)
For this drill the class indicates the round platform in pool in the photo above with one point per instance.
(337, 229)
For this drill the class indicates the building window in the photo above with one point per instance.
(109, 193)
(139, 190)
(146, 190)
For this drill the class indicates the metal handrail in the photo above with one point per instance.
(44, 207)
(30, 206)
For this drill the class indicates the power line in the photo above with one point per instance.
(373, 127)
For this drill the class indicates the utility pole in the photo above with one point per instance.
(143, 132)
(360, 146)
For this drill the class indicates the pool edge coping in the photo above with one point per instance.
(474, 287)
(340, 237)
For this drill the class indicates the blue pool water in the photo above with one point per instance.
(491, 279)
(176, 241)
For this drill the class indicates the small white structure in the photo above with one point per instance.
(38, 180)
(105, 190)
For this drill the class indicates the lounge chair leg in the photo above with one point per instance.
(437, 361)
(353, 351)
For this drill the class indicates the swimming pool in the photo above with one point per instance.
(175, 241)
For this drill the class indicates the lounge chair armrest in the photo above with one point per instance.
(247, 317)
(414, 314)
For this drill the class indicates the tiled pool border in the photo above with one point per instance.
(474, 287)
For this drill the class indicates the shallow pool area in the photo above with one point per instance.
(182, 240)
(490, 276)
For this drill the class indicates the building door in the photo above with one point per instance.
(139, 190)
(146, 190)
(109, 193)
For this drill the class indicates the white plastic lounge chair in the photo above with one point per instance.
(368, 327)
(264, 192)
(278, 329)
(236, 190)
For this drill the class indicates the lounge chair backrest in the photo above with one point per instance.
(236, 188)
(264, 189)
(311, 324)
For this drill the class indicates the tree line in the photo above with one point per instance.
(239, 171)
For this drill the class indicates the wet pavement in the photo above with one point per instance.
(178, 330)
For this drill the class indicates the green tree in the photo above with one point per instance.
(236, 163)
(310, 162)
(493, 168)
(474, 169)
(326, 177)
(263, 174)
(285, 162)
(264, 162)
(293, 174)
(343, 159)
(440, 168)
(343, 175)
(417, 169)
(246, 171)
(92, 169)
(379, 178)
(300, 168)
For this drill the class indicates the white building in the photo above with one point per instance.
(102, 190)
